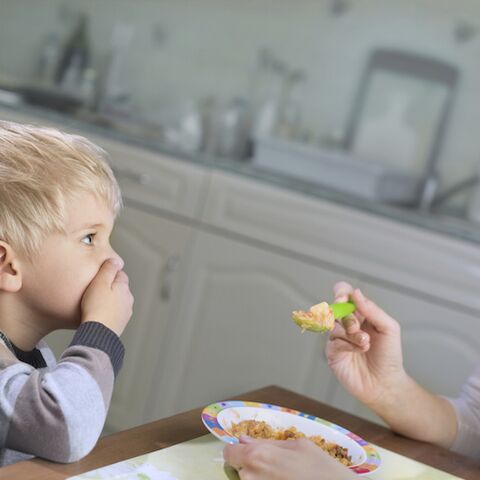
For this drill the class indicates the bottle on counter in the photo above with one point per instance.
(115, 96)
(234, 130)
(268, 95)
(75, 58)
(88, 89)
(48, 60)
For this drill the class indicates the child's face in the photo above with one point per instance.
(54, 282)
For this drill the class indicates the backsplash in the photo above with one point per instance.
(184, 51)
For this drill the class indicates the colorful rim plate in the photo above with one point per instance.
(218, 418)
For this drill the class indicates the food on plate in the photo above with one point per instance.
(320, 318)
(262, 430)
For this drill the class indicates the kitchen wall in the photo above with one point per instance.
(191, 49)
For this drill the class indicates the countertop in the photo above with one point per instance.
(451, 225)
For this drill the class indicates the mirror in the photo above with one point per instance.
(401, 112)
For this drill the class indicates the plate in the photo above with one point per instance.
(218, 418)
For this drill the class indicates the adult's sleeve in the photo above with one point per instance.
(467, 409)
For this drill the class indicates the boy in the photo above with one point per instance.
(58, 203)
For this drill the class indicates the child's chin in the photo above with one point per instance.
(69, 326)
(72, 323)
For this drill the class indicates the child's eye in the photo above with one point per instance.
(88, 239)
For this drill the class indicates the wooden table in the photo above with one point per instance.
(186, 426)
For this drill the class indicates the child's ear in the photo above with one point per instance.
(10, 278)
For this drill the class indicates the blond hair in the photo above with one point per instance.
(40, 168)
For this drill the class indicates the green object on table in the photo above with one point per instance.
(341, 310)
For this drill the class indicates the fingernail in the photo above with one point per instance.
(360, 294)
(348, 322)
(246, 439)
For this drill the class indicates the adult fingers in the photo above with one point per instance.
(257, 455)
(246, 439)
(343, 344)
(286, 444)
(342, 291)
(380, 320)
(355, 336)
(234, 455)
(351, 324)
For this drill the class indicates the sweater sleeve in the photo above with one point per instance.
(467, 409)
(58, 414)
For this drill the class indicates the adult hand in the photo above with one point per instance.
(364, 350)
(108, 299)
(283, 460)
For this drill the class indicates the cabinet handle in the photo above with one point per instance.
(167, 277)
(129, 174)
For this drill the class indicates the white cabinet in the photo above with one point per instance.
(440, 344)
(234, 331)
(167, 184)
(404, 256)
(153, 249)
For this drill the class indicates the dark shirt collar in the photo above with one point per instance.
(33, 357)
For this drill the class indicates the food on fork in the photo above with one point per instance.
(319, 318)
(262, 430)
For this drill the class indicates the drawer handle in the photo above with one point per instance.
(167, 277)
(129, 174)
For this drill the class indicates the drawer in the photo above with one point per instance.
(156, 180)
(377, 249)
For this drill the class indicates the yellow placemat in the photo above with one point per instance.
(202, 459)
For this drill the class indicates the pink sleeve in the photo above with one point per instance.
(467, 408)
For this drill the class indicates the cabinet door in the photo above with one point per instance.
(440, 345)
(152, 248)
(234, 331)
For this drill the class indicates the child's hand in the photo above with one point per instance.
(364, 351)
(283, 460)
(108, 299)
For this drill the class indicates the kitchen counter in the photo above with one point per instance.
(186, 426)
(451, 225)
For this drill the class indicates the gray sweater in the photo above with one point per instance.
(57, 410)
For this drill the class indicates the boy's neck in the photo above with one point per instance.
(18, 327)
